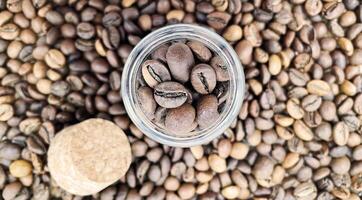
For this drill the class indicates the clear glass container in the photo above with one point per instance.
(168, 34)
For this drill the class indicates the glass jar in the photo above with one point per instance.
(173, 33)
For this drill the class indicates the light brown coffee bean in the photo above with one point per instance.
(9, 31)
(294, 108)
(231, 192)
(302, 130)
(318, 87)
(340, 133)
(11, 190)
(311, 103)
(232, 33)
(6, 112)
(55, 59)
(313, 7)
(239, 151)
(216, 163)
(305, 190)
(341, 165)
(20, 168)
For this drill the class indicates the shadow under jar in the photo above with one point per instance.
(229, 94)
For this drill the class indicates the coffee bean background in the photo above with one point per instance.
(298, 134)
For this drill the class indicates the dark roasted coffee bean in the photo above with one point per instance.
(203, 78)
(100, 65)
(111, 37)
(112, 19)
(218, 20)
(85, 30)
(180, 60)
(170, 94)
(154, 72)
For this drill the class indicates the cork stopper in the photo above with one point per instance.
(87, 157)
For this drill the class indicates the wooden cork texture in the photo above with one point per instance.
(87, 157)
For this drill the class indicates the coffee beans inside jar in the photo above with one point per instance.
(183, 86)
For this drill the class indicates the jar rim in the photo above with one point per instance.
(143, 49)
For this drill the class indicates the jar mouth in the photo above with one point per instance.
(168, 34)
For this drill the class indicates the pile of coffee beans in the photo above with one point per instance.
(297, 136)
(183, 87)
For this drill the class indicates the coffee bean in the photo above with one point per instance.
(200, 51)
(55, 59)
(203, 78)
(302, 130)
(244, 50)
(298, 78)
(100, 65)
(180, 60)
(218, 20)
(9, 31)
(207, 112)
(170, 94)
(305, 190)
(20, 168)
(318, 87)
(181, 120)
(85, 30)
(160, 53)
(220, 68)
(340, 133)
(311, 103)
(6, 112)
(154, 72)
(11, 190)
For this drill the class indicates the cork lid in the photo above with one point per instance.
(87, 157)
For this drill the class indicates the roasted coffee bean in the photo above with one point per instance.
(180, 60)
(85, 30)
(218, 20)
(154, 72)
(203, 78)
(181, 120)
(221, 69)
(200, 50)
(160, 53)
(147, 103)
(207, 112)
(170, 94)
